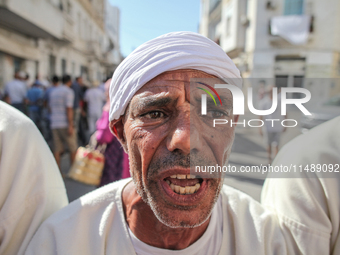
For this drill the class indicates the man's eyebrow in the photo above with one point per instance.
(226, 102)
(153, 101)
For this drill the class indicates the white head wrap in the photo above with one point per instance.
(172, 51)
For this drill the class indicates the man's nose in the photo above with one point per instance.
(179, 137)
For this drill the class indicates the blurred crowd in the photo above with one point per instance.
(66, 112)
(37, 100)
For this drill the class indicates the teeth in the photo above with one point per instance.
(177, 189)
(184, 190)
(197, 186)
(181, 176)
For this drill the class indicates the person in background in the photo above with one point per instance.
(16, 91)
(2, 95)
(35, 97)
(116, 160)
(95, 99)
(272, 128)
(261, 93)
(77, 89)
(47, 111)
(83, 125)
(31, 188)
(44, 83)
(38, 80)
(27, 80)
(307, 201)
(61, 106)
(102, 85)
(55, 83)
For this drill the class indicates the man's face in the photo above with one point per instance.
(165, 135)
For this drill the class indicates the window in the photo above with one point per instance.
(61, 6)
(84, 29)
(228, 25)
(63, 67)
(52, 61)
(73, 69)
(281, 81)
(69, 8)
(17, 63)
(293, 7)
(79, 24)
(213, 4)
(84, 72)
(36, 68)
(90, 33)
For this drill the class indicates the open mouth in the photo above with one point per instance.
(184, 184)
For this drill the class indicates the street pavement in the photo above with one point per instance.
(74, 189)
(249, 149)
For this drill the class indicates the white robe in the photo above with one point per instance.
(31, 188)
(308, 204)
(95, 224)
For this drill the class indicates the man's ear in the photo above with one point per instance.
(117, 128)
(236, 118)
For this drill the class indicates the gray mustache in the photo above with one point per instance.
(176, 159)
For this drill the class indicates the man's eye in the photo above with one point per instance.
(154, 115)
(217, 114)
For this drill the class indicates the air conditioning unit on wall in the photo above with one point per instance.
(244, 20)
(271, 5)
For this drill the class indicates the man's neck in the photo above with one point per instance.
(147, 228)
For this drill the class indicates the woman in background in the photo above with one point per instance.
(116, 160)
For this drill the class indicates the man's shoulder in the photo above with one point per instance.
(84, 226)
(235, 195)
(68, 91)
(75, 85)
(12, 120)
(89, 91)
(7, 84)
(108, 193)
(240, 205)
(56, 89)
(11, 82)
(90, 205)
(62, 90)
(313, 145)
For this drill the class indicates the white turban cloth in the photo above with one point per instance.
(172, 51)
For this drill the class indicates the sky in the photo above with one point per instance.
(143, 20)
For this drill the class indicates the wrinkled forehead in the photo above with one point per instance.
(177, 81)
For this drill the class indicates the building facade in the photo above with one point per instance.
(57, 37)
(290, 41)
